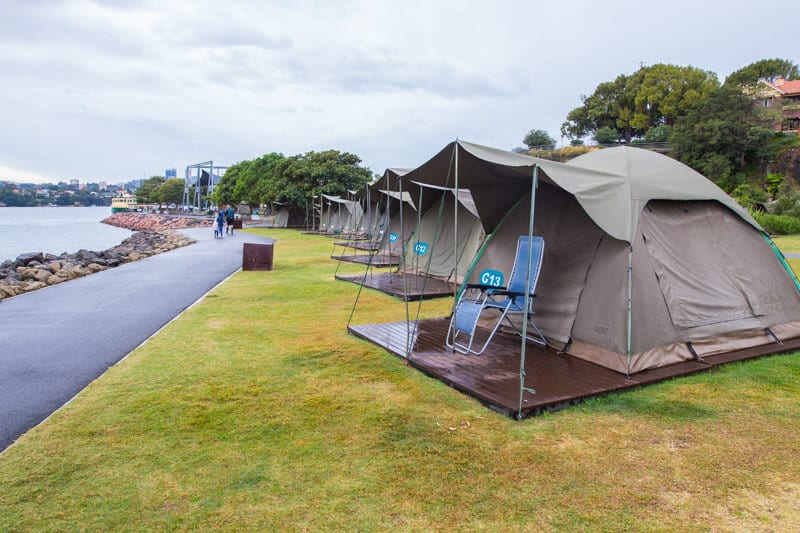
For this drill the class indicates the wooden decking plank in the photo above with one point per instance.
(392, 283)
(493, 377)
(378, 261)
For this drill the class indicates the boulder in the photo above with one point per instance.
(42, 274)
(26, 273)
(24, 259)
(34, 286)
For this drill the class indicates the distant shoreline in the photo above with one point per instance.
(153, 222)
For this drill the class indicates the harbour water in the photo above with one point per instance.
(55, 230)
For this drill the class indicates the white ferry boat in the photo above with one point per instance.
(123, 203)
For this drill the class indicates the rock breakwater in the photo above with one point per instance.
(150, 221)
(36, 270)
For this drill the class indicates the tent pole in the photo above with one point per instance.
(403, 262)
(522, 388)
(630, 312)
(455, 228)
(419, 224)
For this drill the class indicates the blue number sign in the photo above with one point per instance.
(491, 278)
(393, 237)
(421, 248)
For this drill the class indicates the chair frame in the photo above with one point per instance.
(469, 309)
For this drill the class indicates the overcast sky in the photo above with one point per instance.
(124, 89)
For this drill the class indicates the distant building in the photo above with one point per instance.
(73, 184)
(102, 185)
(782, 95)
(170, 173)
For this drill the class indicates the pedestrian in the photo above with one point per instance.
(220, 220)
(229, 218)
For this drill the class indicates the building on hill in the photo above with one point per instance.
(784, 95)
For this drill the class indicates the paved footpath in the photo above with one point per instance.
(57, 340)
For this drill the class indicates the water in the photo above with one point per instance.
(55, 230)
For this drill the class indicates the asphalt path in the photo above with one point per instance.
(57, 340)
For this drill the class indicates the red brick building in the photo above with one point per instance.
(784, 96)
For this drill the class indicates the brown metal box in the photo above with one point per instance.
(257, 256)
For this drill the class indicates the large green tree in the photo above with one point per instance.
(301, 177)
(652, 96)
(169, 192)
(291, 180)
(724, 135)
(257, 182)
(539, 139)
(769, 69)
(145, 191)
(224, 190)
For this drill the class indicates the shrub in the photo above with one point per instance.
(658, 134)
(606, 135)
(788, 200)
(774, 182)
(748, 194)
(777, 224)
(563, 154)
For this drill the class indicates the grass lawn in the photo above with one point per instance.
(256, 410)
(788, 243)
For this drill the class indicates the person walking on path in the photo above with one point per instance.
(220, 220)
(229, 219)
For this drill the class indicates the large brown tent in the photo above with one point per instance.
(646, 262)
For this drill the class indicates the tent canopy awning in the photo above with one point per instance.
(464, 196)
(612, 185)
(405, 197)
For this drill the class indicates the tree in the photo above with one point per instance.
(654, 95)
(769, 69)
(169, 192)
(300, 177)
(292, 180)
(539, 139)
(144, 192)
(723, 135)
(606, 135)
(224, 191)
(658, 134)
(257, 181)
(599, 110)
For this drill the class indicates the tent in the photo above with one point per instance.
(275, 215)
(376, 204)
(328, 212)
(434, 251)
(646, 263)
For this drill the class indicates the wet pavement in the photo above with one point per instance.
(57, 340)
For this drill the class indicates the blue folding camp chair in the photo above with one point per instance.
(508, 300)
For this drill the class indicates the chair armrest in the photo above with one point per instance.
(503, 292)
(482, 287)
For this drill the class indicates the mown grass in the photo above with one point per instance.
(255, 410)
(788, 243)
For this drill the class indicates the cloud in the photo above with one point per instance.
(127, 88)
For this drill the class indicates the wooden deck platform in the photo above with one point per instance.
(359, 245)
(378, 260)
(493, 377)
(349, 238)
(418, 287)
